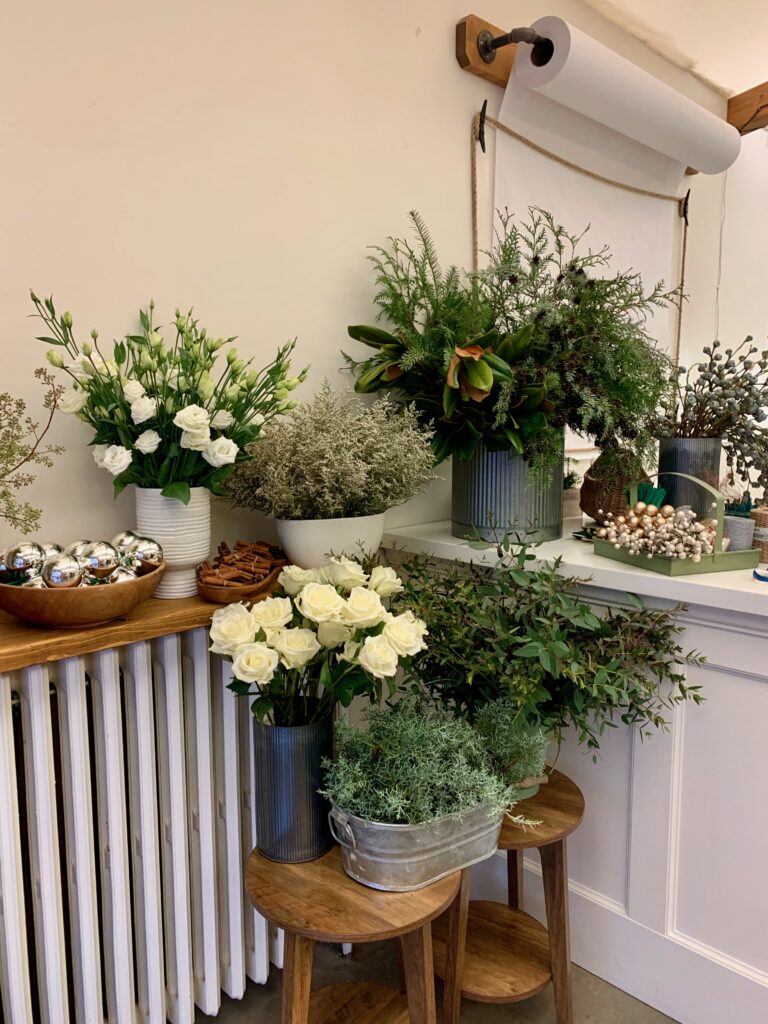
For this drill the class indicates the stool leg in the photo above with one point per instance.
(419, 970)
(455, 944)
(515, 879)
(297, 978)
(555, 875)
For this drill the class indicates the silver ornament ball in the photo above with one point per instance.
(25, 558)
(147, 555)
(50, 548)
(62, 571)
(76, 548)
(124, 541)
(100, 559)
(123, 575)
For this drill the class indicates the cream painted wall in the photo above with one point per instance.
(240, 157)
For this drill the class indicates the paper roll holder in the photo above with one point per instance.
(488, 44)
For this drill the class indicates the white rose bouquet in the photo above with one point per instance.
(329, 637)
(164, 414)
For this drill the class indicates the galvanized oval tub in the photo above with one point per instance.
(399, 858)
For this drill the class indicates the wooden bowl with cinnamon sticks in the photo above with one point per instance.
(247, 571)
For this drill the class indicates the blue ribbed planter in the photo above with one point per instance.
(696, 456)
(291, 817)
(500, 488)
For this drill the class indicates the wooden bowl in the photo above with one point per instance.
(80, 606)
(246, 592)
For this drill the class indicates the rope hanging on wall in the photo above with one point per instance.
(481, 119)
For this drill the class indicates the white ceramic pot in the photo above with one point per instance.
(183, 532)
(309, 543)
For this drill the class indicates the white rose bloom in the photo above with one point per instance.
(98, 451)
(133, 390)
(351, 651)
(195, 440)
(231, 627)
(363, 609)
(221, 452)
(385, 581)
(293, 579)
(72, 400)
(272, 613)
(345, 573)
(320, 602)
(147, 442)
(194, 419)
(333, 634)
(116, 459)
(296, 647)
(143, 409)
(378, 657)
(222, 419)
(405, 634)
(254, 663)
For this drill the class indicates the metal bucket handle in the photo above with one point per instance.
(343, 823)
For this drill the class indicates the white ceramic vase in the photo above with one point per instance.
(183, 532)
(309, 543)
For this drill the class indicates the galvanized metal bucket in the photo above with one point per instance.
(694, 456)
(500, 488)
(400, 858)
(291, 816)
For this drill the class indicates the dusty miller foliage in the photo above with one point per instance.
(516, 748)
(412, 764)
(21, 447)
(334, 457)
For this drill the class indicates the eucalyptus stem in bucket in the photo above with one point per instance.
(327, 638)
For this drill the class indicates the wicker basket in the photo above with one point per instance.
(760, 515)
(605, 494)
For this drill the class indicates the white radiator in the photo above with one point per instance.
(126, 817)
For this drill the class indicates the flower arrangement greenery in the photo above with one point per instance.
(21, 447)
(516, 748)
(335, 457)
(724, 396)
(572, 337)
(164, 414)
(520, 631)
(411, 765)
(327, 639)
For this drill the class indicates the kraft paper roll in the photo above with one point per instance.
(591, 79)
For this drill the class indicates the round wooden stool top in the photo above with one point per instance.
(559, 806)
(319, 901)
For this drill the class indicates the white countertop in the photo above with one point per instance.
(733, 591)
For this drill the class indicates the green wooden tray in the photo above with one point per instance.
(719, 561)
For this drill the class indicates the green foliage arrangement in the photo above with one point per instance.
(163, 414)
(546, 337)
(412, 764)
(516, 748)
(519, 631)
(335, 457)
(21, 447)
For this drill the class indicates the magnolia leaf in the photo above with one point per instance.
(375, 337)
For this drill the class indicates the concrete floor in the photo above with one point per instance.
(595, 1001)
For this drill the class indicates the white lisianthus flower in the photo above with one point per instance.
(80, 368)
(143, 409)
(133, 390)
(378, 657)
(222, 419)
(405, 633)
(206, 387)
(293, 579)
(172, 377)
(98, 451)
(272, 613)
(385, 581)
(333, 634)
(194, 419)
(195, 440)
(257, 420)
(254, 663)
(221, 452)
(231, 627)
(232, 392)
(345, 573)
(320, 602)
(296, 647)
(363, 609)
(73, 400)
(147, 442)
(116, 459)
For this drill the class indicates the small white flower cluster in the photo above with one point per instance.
(336, 613)
(666, 531)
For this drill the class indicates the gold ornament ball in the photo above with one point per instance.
(639, 507)
(651, 510)
(667, 511)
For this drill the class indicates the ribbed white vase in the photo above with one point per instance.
(183, 532)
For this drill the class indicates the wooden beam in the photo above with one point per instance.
(749, 110)
(467, 55)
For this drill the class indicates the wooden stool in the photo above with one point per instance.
(317, 902)
(499, 954)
